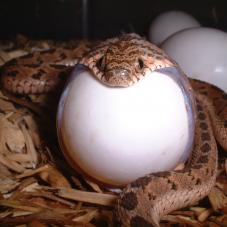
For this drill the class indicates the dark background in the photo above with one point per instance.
(61, 19)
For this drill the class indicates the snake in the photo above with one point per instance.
(121, 62)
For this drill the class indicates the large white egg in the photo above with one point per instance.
(115, 135)
(201, 53)
(168, 23)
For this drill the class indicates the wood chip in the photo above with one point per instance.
(205, 214)
(11, 136)
(197, 210)
(15, 204)
(4, 57)
(54, 178)
(30, 146)
(33, 130)
(16, 54)
(5, 105)
(218, 199)
(87, 217)
(29, 173)
(7, 185)
(182, 220)
(49, 196)
(89, 197)
(12, 165)
(4, 172)
(94, 186)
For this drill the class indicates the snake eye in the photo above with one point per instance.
(101, 64)
(141, 64)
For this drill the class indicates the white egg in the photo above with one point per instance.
(115, 135)
(168, 23)
(201, 53)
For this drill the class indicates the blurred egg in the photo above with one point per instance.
(115, 135)
(201, 53)
(169, 23)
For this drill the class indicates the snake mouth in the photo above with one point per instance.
(118, 78)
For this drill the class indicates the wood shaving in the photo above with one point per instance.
(89, 197)
(54, 178)
(11, 137)
(218, 199)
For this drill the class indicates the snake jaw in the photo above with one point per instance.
(118, 78)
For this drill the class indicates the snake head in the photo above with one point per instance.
(119, 66)
(123, 61)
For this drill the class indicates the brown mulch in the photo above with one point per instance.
(37, 186)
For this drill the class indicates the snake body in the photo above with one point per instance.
(121, 62)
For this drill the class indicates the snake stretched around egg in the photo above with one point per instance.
(122, 62)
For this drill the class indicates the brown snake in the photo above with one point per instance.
(123, 61)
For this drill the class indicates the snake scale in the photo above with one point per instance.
(122, 61)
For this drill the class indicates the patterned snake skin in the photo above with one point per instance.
(121, 62)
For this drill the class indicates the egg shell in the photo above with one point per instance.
(115, 135)
(168, 23)
(201, 53)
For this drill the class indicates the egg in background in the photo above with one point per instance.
(168, 23)
(201, 53)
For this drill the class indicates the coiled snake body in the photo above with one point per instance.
(123, 61)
